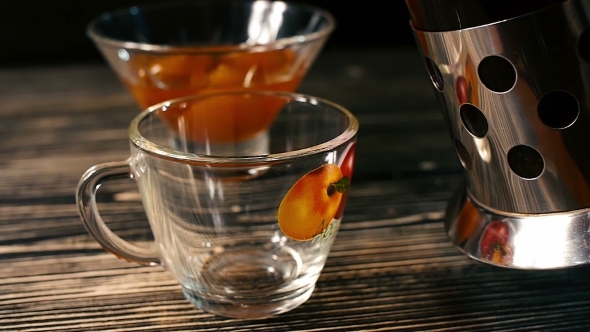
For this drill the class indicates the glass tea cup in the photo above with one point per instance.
(245, 235)
(166, 51)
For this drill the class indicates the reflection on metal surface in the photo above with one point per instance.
(548, 248)
(515, 97)
(504, 70)
(444, 15)
(521, 241)
(483, 149)
(494, 244)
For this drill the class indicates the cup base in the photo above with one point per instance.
(248, 309)
(249, 283)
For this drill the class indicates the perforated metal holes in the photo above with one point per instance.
(474, 120)
(463, 155)
(435, 75)
(526, 162)
(558, 109)
(497, 73)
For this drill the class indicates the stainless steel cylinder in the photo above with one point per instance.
(515, 95)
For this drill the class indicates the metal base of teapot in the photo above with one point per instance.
(520, 241)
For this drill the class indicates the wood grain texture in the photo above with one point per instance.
(391, 268)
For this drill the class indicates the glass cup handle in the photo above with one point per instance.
(86, 202)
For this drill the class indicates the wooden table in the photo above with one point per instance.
(391, 267)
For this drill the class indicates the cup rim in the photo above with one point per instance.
(162, 152)
(209, 49)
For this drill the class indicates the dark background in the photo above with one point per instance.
(43, 32)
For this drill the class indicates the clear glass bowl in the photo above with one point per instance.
(162, 52)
